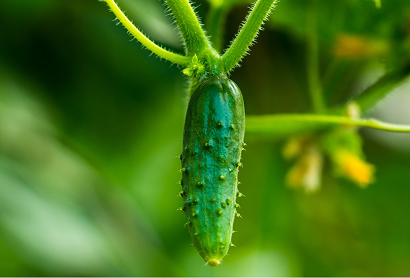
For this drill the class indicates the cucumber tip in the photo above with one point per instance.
(213, 262)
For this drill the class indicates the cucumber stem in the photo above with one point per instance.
(144, 40)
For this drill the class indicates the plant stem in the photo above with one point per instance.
(313, 71)
(280, 126)
(191, 30)
(385, 85)
(378, 3)
(249, 31)
(216, 23)
(145, 41)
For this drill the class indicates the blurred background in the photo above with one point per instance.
(91, 124)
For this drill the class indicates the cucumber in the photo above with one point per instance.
(212, 145)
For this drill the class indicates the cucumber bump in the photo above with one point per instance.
(212, 144)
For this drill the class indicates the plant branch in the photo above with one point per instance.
(247, 34)
(144, 40)
(378, 3)
(280, 126)
(313, 68)
(188, 23)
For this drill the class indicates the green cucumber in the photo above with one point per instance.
(212, 145)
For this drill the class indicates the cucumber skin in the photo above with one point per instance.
(212, 145)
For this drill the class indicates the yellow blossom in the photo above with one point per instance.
(357, 47)
(295, 146)
(292, 148)
(307, 171)
(354, 168)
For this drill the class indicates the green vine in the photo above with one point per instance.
(196, 42)
(188, 23)
(144, 40)
(313, 70)
(282, 126)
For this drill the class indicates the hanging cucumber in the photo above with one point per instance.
(215, 122)
(212, 145)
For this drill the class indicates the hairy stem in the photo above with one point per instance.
(247, 34)
(188, 23)
(144, 40)
(281, 126)
(313, 70)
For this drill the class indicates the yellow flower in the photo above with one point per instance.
(292, 148)
(354, 168)
(307, 171)
(296, 145)
(358, 47)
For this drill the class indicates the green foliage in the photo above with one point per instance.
(90, 126)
